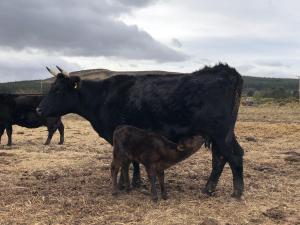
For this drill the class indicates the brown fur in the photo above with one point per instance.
(155, 152)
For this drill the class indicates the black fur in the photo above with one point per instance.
(21, 110)
(176, 106)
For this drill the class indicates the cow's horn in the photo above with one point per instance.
(51, 71)
(63, 71)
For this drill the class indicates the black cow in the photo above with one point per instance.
(21, 110)
(176, 106)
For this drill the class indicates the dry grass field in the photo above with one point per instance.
(71, 184)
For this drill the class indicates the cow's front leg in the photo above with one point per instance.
(9, 131)
(2, 128)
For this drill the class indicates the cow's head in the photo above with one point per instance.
(63, 95)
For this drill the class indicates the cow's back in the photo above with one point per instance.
(174, 106)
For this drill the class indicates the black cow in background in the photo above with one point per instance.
(204, 103)
(21, 110)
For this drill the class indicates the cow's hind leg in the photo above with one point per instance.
(218, 163)
(235, 160)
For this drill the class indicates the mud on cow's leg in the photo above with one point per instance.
(136, 177)
(218, 163)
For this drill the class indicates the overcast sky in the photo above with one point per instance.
(258, 37)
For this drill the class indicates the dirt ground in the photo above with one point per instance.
(71, 184)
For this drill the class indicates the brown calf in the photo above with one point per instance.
(155, 152)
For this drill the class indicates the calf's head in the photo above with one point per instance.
(63, 96)
(192, 143)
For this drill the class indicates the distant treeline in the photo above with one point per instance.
(257, 87)
(25, 87)
(276, 88)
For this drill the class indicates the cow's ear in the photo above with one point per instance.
(75, 81)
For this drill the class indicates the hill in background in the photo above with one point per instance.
(257, 87)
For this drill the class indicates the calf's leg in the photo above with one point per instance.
(115, 166)
(125, 172)
(161, 179)
(152, 179)
(136, 176)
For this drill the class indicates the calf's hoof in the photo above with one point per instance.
(237, 195)
(121, 186)
(155, 199)
(164, 196)
(128, 189)
(9, 144)
(60, 143)
(136, 183)
(47, 143)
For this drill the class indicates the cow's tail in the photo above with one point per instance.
(235, 107)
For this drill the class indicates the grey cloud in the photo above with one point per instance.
(271, 63)
(30, 68)
(79, 28)
(136, 3)
(242, 45)
(176, 43)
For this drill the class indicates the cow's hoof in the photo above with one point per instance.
(60, 143)
(114, 193)
(208, 191)
(47, 143)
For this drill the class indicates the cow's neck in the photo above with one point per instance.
(90, 100)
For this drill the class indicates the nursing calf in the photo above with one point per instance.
(155, 152)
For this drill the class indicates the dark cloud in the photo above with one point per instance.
(79, 28)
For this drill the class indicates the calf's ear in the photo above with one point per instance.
(75, 82)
